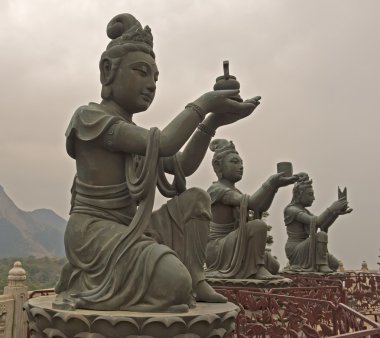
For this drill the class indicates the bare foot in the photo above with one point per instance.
(205, 293)
(324, 268)
(264, 274)
(178, 308)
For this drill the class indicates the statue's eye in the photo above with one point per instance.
(141, 71)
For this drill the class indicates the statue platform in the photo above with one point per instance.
(249, 283)
(316, 274)
(205, 320)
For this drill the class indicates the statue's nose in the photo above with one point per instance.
(151, 85)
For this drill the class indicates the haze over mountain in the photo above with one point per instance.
(24, 233)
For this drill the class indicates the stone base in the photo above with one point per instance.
(313, 273)
(207, 320)
(250, 283)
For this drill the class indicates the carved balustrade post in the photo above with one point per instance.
(19, 291)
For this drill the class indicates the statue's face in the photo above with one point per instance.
(307, 197)
(134, 85)
(232, 168)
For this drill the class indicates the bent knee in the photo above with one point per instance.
(333, 262)
(257, 226)
(197, 195)
(321, 236)
(172, 279)
(196, 203)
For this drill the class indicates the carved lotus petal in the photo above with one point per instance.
(34, 330)
(54, 333)
(70, 323)
(217, 333)
(90, 335)
(115, 326)
(203, 325)
(164, 327)
(187, 335)
(228, 321)
(42, 318)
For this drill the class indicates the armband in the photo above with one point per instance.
(200, 112)
(205, 129)
(109, 136)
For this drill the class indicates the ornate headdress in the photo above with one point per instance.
(303, 183)
(222, 147)
(125, 28)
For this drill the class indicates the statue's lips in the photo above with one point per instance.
(147, 97)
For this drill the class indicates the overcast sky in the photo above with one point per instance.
(316, 65)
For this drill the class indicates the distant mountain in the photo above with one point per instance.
(29, 233)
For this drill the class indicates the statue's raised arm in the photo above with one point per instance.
(306, 247)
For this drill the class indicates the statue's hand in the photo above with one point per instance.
(340, 207)
(279, 180)
(344, 212)
(222, 119)
(222, 102)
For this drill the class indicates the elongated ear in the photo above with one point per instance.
(106, 71)
(217, 165)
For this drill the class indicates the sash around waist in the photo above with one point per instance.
(107, 197)
(221, 230)
(111, 202)
(297, 236)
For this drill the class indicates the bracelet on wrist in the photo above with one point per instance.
(205, 129)
(200, 112)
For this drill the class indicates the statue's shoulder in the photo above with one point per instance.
(217, 191)
(88, 123)
(291, 211)
(291, 208)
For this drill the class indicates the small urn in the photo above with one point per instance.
(227, 81)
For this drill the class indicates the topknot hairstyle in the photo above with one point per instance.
(125, 28)
(221, 148)
(303, 183)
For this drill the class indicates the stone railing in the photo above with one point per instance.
(13, 323)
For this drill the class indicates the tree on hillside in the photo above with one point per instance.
(41, 273)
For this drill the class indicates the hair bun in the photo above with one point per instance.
(125, 28)
(221, 143)
(121, 24)
(217, 144)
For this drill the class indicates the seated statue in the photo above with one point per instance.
(238, 235)
(306, 247)
(121, 255)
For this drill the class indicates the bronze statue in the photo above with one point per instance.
(121, 255)
(306, 247)
(238, 235)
